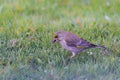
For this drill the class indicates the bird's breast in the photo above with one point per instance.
(63, 43)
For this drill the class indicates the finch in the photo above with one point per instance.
(73, 43)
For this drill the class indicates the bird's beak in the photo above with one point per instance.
(54, 41)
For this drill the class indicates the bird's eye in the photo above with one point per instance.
(56, 36)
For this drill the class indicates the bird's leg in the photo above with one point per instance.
(73, 55)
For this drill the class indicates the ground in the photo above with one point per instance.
(27, 28)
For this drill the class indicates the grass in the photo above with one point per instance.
(26, 30)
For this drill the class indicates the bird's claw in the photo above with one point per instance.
(73, 55)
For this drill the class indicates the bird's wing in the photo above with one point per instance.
(84, 44)
(71, 39)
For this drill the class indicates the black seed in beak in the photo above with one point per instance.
(54, 41)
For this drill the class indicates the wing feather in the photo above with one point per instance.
(73, 40)
(84, 44)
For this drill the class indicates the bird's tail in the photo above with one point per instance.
(103, 47)
(97, 46)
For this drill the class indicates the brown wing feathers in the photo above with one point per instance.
(74, 41)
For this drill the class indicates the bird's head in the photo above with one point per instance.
(58, 36)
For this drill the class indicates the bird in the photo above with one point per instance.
(73, 43)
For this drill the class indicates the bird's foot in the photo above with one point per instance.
(73, 55)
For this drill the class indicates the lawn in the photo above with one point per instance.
(28, 26)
